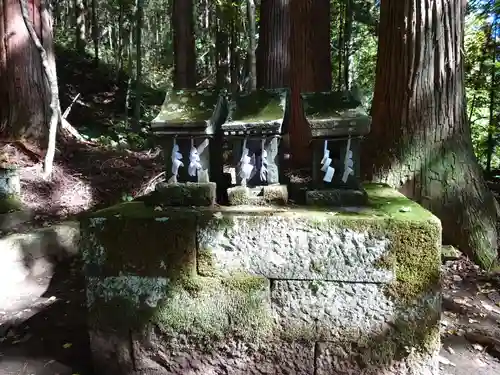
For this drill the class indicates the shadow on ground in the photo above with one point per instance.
(54, 340)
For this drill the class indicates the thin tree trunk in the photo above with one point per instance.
(138, 63)
(347, 43)
(95, 31)
(492, 128)
(221, 46)
(420, 140)
(252, 67)
(80, 25)
(235, 65)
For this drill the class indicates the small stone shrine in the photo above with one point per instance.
(184, 127)
(337, 122)
(185, 287)
(253, 129)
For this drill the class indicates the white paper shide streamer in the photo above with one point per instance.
(246, 166)
(263, 164)
(176, 157)
(325, 164)
(194, 157)
(348, 162)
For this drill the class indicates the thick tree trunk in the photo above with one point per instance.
(24, 92)
(184, 48)
(310, 67)
(273, 51)
(420, 140)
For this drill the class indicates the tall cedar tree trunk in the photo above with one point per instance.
(184, 48)
(294, 51)
(422, 138)
(273, 51)
(310, 68)
(24, 92)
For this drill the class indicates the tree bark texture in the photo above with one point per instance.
(252, 64)
(420, 140)
(24, 91)
(273, 51)
(294, 51)
(310, 67)
(184, 47)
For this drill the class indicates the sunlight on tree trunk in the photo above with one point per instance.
(420, 140)
(24, 93)
(252, 68)
(50, 73)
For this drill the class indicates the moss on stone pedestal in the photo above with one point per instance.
(146, 246)
(259, 196)
(187, 194)
(209, 307)
(10, 203)
(202, 308)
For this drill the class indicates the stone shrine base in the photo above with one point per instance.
(262, 290)
(258, 196)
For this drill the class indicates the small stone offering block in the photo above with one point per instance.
(260, 196)
(184, 127)
(186, 194)
(254, 129)
(337, 122)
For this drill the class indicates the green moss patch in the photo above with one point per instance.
(327, 104)
(202, 308)
(147, 247)
(258, 106)
(187, 106)
(10, 203)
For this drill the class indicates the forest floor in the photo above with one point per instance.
(50, 337)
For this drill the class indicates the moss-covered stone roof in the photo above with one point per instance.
(187, 106)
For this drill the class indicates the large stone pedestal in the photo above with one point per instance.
(257, 290)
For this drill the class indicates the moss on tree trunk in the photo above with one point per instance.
(420, 139)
